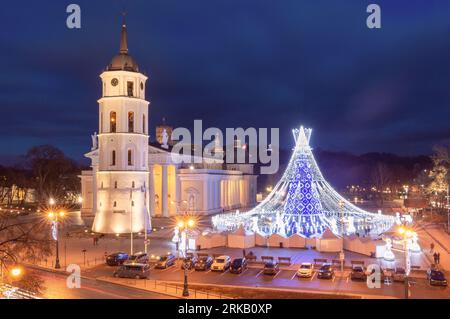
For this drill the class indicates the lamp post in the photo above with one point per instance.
(407, 234)
(342, 255)
(54, 217)
(184, 224)
(448, 209)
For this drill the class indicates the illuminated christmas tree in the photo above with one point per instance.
(304, 203)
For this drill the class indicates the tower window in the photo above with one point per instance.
(130, 88)
(115, 204)
(132, 184)
(113, 158)
(115, 184)
(130, 122)
(101, 122)
(143, 123)
(130, 158)
(112, 122)
(132, 203)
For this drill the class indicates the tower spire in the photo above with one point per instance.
(123, 36)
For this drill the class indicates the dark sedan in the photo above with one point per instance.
(437, 278)
(238, 265)
(189, 262)
(116, 259)
(271, 268)
(203, 263)
(325, 272)
(358, 273)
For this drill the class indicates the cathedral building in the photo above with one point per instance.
(132, 180)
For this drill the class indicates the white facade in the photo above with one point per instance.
(131, 180)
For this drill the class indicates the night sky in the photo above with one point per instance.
(233, 63)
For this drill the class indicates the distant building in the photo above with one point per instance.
(129, 177)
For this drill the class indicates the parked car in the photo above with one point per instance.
(399, 274)
(165, 261)
(436, 277)
(221, 263)
(116, 259)
(203, 263)
(325, 272)
(189, 262)
(138, 271)
(238, 265)
(306, 270)
(358, 273)
(271, 268)
(140, 257)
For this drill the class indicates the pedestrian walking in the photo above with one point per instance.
(435, 257)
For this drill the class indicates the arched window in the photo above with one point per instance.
(130, 122)
(115, 184)
(132, 203)
(130, 158)
(113, 158)
(132, 184)
(112, 122)
(143, 123)
(101, 185)
(115, 204)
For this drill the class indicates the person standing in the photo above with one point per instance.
(435, 257)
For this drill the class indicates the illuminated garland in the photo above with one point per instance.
(304, 203)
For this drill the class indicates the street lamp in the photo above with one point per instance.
(407, 234)
(342, 255)
(54, 217)
(16, 272)
(184, 224)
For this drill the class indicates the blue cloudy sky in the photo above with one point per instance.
(259, 63)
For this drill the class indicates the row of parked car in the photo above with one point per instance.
(137, 266)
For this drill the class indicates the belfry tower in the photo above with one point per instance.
(122, 176)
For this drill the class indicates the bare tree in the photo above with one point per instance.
(381, 179)
(23, 239)
(439, 175)
(54, 174)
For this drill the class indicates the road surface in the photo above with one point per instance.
(56, 288)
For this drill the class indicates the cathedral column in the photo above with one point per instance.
(205, 194)
(179, 205)
(165, 207)
(151, 191)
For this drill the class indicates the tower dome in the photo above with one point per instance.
(123, 61)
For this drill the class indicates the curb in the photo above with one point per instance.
(142, 289)
(318, 292)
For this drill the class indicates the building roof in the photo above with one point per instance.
(123, 61)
